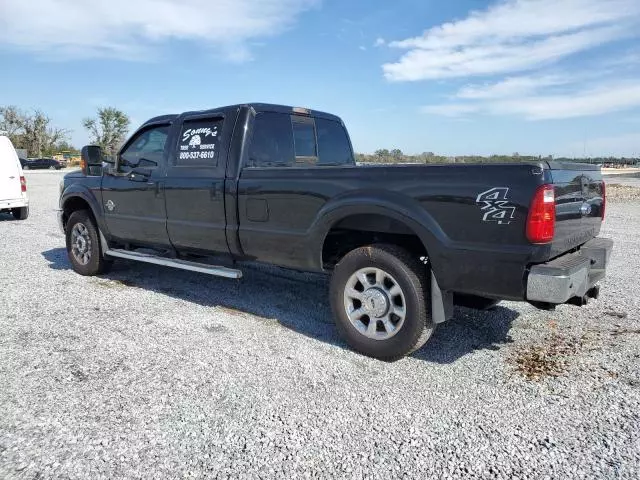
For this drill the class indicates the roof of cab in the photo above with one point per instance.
(258, 107)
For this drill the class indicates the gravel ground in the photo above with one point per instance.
(156, 373)
(623, 187)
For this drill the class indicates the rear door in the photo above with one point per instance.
(279, 190)
(194, 186)
(9, 171)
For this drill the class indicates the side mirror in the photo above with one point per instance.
(91, 155)
(91, 160)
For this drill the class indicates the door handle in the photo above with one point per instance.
(213, 191)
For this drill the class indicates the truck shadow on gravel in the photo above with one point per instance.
(5, 217)
(294, 300)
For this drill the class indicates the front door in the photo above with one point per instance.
(194, 185)
(133, 197)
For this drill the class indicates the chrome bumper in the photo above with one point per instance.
(571, 275)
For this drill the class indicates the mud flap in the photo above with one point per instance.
(441, 302)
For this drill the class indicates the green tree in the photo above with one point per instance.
(109, 129)
(396, 153)
(32, 132)
(11, 121)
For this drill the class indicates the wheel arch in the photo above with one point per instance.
(80, 199)
(391, 219)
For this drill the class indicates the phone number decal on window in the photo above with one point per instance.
(197, 155)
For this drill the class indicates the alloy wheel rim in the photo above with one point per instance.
(81, 243)
(375, 303)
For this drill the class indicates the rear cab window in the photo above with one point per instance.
(272, 142)
(282, 140)
(334, 147)
(304, 139)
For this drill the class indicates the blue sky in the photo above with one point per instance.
(542, 77)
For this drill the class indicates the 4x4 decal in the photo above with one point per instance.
(496, 206)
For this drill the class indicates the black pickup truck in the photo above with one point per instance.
(207, 190)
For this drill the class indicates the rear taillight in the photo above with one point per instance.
(23, 184)
(604, 199)
(541, 221)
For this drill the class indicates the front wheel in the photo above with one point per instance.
(380, 299)
(83, 245)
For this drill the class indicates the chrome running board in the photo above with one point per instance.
(175, 263)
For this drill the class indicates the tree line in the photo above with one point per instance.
(34, 132)
(391, 156)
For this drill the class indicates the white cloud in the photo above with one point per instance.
(587, 102)
(512, 87)
(379, 42)
(131, 28)
(595, 101)
(528, 52)
(512, 36)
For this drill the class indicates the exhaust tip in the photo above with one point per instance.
(594, 292)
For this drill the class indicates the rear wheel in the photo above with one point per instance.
(52, 167)
(21, 213)
(83, 244)
(380, 299)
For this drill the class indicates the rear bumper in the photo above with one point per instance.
(571, 275)
(15, 203)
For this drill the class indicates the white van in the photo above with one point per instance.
(13, 187)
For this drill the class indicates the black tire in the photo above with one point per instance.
(21, 213)
(95, 261)
(410, 275)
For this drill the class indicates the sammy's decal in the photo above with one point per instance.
(496, 206)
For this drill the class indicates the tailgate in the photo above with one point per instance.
(579, 193)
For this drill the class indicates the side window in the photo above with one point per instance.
(199, 142)
(149, 144)
(304, 137)
(333, 144)
(272, 143)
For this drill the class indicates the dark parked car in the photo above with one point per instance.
(279, 185)
(34, 163)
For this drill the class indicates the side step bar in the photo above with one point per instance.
(175, 263)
